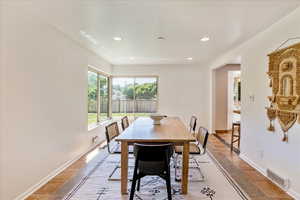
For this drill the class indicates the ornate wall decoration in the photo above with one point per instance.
(284, 74)
(272, 116)
(286, 120)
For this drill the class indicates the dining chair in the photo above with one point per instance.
(152, 160)
(193, 124)
(124, 122)
(112, 131)
(198, 148)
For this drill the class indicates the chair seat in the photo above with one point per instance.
(194, 149)
(118, 149)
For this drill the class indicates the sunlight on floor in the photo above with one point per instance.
(92, 155)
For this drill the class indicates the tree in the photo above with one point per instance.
(146, 91)
(140, 91)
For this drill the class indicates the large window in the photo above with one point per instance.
(98, 97)
(134, 96)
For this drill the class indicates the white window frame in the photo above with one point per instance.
(99, 121)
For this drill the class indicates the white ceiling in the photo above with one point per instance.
(182, 22)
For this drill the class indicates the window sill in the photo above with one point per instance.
(102, 123)
(96, 125)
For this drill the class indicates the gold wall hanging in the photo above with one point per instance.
(284, 74)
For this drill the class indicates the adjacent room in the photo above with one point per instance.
(149, 100)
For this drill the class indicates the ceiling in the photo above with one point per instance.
(182, 23)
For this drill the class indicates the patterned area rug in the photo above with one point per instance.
(95, 186)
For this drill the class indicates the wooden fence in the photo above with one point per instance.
(126, 106)
(137, 106)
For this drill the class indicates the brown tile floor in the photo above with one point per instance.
(225, 138)
(255, 185)
(61, 185)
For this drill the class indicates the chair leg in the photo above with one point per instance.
(168, 182)
(112, 173)
(108, 148)
(199, 168)
(133, 184)
(176, 167)
(174, 160)
(139, 184)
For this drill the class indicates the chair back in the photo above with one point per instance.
(153, 151)
(111, 131)
(202, 138)
(124, 122)
(153, 159)
(193, 124)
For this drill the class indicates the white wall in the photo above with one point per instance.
(260, 147)
(43, 98)
(182, 88)
(1, 104)
(221, 96)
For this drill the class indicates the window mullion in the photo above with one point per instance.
(134, 100)
(98, 98)
(109, 97)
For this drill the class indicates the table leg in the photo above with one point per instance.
(124, 167)
(185, 167)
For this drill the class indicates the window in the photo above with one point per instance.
(104, 97)
(98, 97)
(134, 96)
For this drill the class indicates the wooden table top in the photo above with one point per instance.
(171, 129)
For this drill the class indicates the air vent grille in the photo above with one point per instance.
(284, 183)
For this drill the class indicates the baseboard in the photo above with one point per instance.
(253, 164)
(294, 194)
(54, 173)
(291, 192)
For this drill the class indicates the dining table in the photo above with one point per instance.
(142, 130)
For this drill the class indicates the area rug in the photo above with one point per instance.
(95, 186)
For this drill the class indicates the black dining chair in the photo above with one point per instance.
(152, 160)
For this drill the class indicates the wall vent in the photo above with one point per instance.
(282, 182)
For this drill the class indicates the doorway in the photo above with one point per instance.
(226, 102)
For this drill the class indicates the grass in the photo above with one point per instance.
(92, 117)
(130, 114)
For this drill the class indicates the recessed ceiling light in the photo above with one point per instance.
(117, 38)
(189, 58)
(205, 39)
